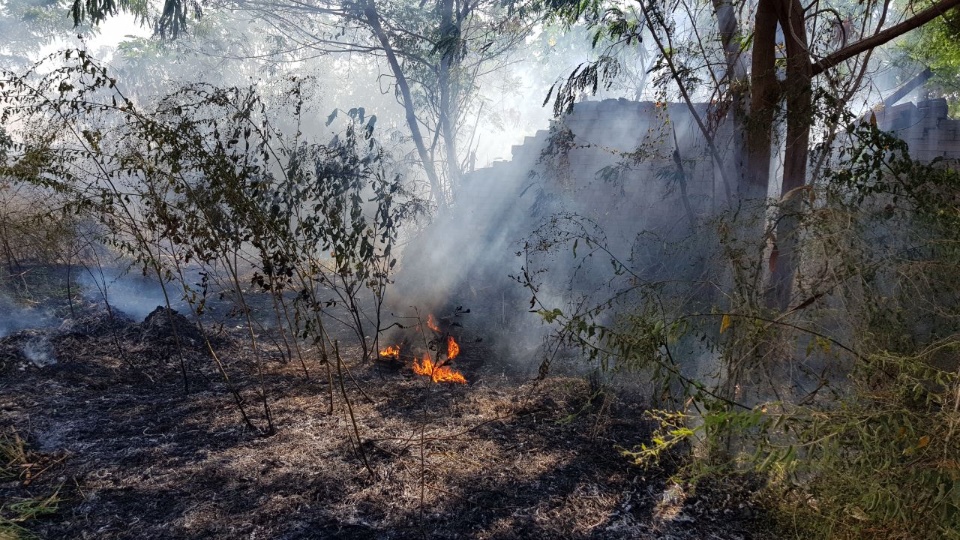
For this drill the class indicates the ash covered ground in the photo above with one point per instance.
(100, 406)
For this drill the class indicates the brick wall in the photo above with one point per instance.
(568, 168)
(613, 161)
(925, 128)
(563, 170)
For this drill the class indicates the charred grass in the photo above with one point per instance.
(130, 455)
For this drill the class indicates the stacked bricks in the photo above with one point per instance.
(925, 127)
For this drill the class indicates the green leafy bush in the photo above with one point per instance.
(848, 402)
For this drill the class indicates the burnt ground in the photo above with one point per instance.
(100, 404)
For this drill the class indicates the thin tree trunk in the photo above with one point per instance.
(799, 96)
(653, 18)
(373, 19)
(728, 26)
(448, 51)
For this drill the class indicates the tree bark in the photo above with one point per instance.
(736, 80)
(884, 36)
(799, 103)
(764, 96)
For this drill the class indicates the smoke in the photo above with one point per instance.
(124, 291)
(39, 351)
(98, 290)
(15, 317)
(569, 212)
(609, 194)
(23, 321)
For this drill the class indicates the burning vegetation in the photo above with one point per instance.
(452, 460)
(438, 368)
(391, 353)
(453, 350)
(438, 372)
(432, 323)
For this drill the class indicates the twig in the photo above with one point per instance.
(353, 419)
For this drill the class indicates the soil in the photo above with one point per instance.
(102, 406)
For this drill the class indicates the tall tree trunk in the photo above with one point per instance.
(373, 19)
(798, 96)
(449, 43)
(764, 96)
(736, 80)
(799, 103)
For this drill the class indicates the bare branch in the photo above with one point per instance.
(884, 36)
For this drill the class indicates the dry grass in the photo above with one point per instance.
(20, 466)
(494, 459)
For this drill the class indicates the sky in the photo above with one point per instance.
(114, 29)
(111, 32)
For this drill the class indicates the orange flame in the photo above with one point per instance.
(432, 323)
(437, 373)
(452, 348)
(393, 351)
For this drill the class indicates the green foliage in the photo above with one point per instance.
(30, 509)
(206, 181)
(29, 25)
(935, 45)
(672, 432)
(206, 176)
(171, 20)
(879, 164)
(849, 404)
(37, 229)
(436, 53)
(34, 228)
(586, 78)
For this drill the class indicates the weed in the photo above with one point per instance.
(14, 460)
(18, 462)
(848, 401)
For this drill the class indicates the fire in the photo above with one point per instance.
(426, 367)
(432, 323)
(437, 373)
(452, 348)
(393, 351)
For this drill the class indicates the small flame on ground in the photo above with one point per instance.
(393, 351)
(452, 348)
(432, 323)
(437, 373)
